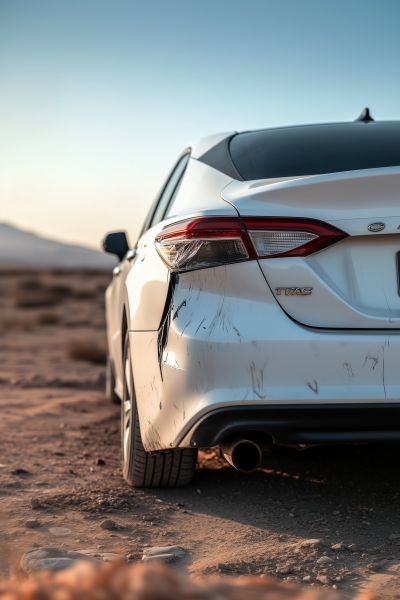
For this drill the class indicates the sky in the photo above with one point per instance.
(99, 97)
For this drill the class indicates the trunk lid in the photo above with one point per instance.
(355, 281)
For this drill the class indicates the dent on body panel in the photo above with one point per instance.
(163, 332)
(207, 329)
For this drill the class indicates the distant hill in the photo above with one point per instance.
(22, 248)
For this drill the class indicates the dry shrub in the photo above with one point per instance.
(33, 293)
(48, 318)
(118, 581)
(86, 350)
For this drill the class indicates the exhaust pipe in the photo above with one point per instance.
(242, 454)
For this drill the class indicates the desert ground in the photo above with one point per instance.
(59, 445)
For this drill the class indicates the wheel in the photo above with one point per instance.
(172, 468)
(110, 384)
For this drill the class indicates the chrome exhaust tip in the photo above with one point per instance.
(243, 455)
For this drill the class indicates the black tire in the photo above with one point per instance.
(171, 468)
(110, 383)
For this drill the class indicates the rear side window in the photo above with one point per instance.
(170, 190)
(316, 149)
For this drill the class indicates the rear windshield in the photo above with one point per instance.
(316, 149)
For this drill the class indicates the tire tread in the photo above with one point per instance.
(171, 468)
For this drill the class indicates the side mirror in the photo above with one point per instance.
(116, 243)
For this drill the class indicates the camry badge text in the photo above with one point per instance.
(294, 291)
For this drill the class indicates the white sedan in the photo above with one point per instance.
(261, 303)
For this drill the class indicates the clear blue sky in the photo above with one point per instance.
(98, 97)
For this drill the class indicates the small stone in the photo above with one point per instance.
(283, 570)
(108, 524)
(198, 491)
(352, 548)
(167, 558)
(110, 556)
(336, 512)
(338, 578)
(164, 553)
(31, 523)
(263, 576)
(374, 566)
(35, 502)
(99, 462)
(291, 515)
(307, 578)
(323, 579)
(311, 543)
(60, 531)
(324, 560)
(20, 471)
(148, 518)
(339, 546)
(335, 587)
(394, 536)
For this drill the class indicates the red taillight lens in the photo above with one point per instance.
(214, 241)
(203, 242)
(276, 237)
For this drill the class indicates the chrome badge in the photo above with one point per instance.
(294, 291)
(374, 227)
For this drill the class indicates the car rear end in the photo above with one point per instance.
(283, 318)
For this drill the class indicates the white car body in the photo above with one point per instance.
(226, 349)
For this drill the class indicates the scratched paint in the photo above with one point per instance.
(272, 361)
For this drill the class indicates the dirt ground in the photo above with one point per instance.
(56, 426)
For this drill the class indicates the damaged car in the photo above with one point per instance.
(261, 302)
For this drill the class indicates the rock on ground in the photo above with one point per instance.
(60, 531)
(283, 570)
(311, 543)
(108, 524)
(164, 553)
(31, 523)
(51, 558)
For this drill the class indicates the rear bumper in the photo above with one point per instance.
(305, 424)
(228, 345)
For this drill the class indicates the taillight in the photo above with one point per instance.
(276, 237)
(214, 241)
(203, 242)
